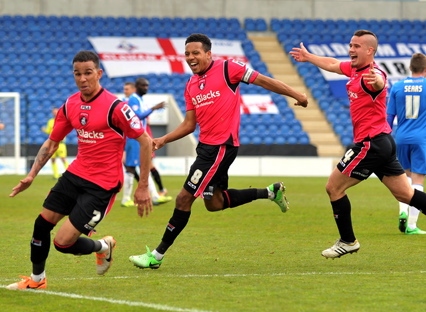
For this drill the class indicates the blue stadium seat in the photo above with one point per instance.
(261, 24)
(234, 24)
(280, 140)
(291, 139)
(296, 127)
(256, 140)
(268, 140)
(273, 128)
(275, 24)
(347, 140)
(250, 24)
(261, 128)
(244, 139)
(303, 139)
(249, 127)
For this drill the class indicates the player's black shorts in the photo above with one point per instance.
(210, 169)
(85, 202)
(373, 155)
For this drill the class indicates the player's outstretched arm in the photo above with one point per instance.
(186, 127)
(46, 151)
(280, 87)
(327, 63)
(159, 106)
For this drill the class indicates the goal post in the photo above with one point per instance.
(10, 133)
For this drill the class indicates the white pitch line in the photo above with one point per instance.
(251, 275)
(3, 280)
(176, 309)
(160, 307)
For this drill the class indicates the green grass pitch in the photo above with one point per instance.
(251, 258)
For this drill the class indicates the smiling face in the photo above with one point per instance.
(197, 59)
(362, 50)
(86, 77)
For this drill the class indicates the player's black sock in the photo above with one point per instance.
(40, 244)
(342, 216)
(157, 178)
(177, 223)
(234, 198)
(419, 201)
(83, 246)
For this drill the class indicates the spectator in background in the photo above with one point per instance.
(87, 189)
(131, 160)
(129, 173)
(407, 101)
(128, 90)
(61, 152)
(374, 150)
(212, 97)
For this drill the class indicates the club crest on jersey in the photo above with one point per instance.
(84, 118)
(202, 84)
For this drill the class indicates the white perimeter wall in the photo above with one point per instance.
(321, 9)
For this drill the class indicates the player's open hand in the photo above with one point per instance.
(143, 201)
(22, 186)
(371, 76)
(299, 54)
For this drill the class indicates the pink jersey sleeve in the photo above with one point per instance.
(346, 68)
(240, 72)
(125, 119)
(61, 127)
(188, 100)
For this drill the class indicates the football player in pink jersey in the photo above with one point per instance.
(374, 150)
(212, 97)
(87, 189)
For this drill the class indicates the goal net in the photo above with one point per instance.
(10, 135)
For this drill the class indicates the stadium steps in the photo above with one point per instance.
(312, 119)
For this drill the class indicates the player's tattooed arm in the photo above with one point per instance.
(46, 151)
(42, 158)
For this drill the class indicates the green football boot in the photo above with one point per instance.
(146, 260)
